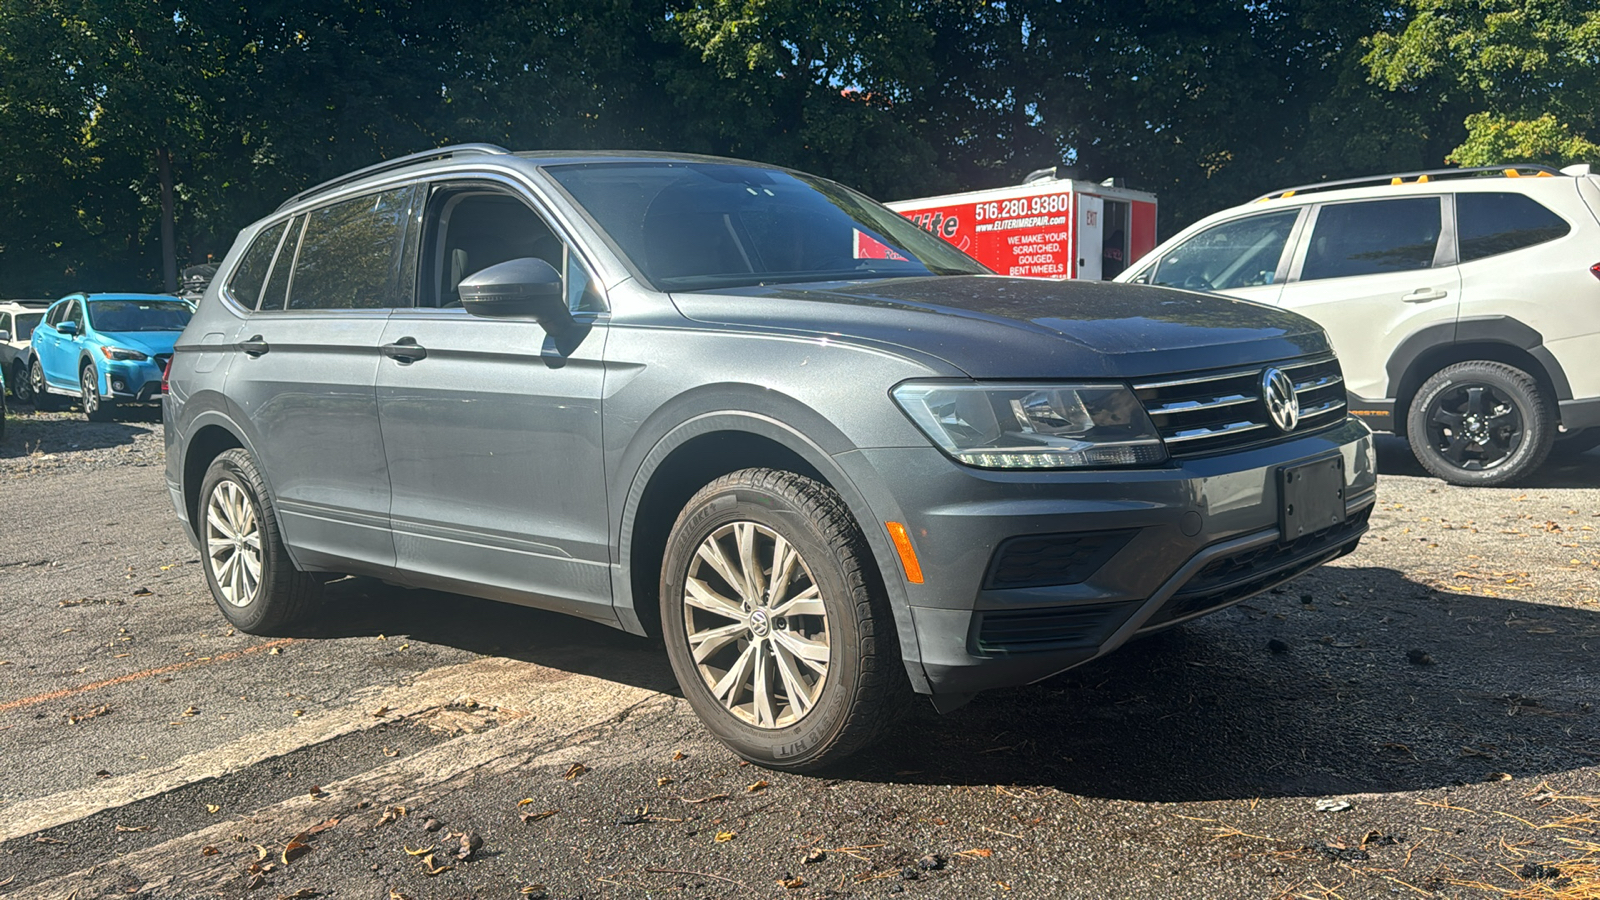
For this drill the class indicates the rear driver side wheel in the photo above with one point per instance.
(776, 625)
(1480, 423)
(247, 568)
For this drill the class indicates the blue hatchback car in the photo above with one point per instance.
(104, 349)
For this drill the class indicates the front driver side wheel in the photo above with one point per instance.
(247, 568)
(777, 627)
(1480, 423)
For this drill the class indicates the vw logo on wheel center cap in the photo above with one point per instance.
(1277, 389)
(759, 624)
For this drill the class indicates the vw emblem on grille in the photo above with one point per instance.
(1277, 389)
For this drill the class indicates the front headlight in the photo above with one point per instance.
(1034, 426)
(121, 353)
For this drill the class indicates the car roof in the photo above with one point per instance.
(25, 306)
(95, 298)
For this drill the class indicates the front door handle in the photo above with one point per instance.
(1423, 295)
(254, 347)
(405, 351)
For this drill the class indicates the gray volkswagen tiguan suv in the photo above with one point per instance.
(829, 459)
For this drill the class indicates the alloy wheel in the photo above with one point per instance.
(233, 542)
(757, 625)
(1474, 426)
(91, 391)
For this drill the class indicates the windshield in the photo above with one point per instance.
(25, 323)
(138, 315)
(696, 226)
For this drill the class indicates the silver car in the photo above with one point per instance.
(828, 458)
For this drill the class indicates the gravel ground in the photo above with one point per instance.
(1436, 688)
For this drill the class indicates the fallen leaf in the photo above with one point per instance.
(724, 836)
(213, 808)
(390, 753)
(275, 651)
(396, 895)
(381, 711)
(423, 852)
(391, 814)
(525, 801)
(316, 792)
(532, 890)
(534, 817)
(792, 883)
(296, 848)
(427, 861)
(758, 786)
(663, 781)
(677, 756)
(977, 851)
(209, 851)
(133, 827)
(322, 826)
(262, 853)
(192, 711)
(816, 855)
(576, 770)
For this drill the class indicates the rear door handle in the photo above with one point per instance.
(405, 351)
(254, 347)
(1423, 295)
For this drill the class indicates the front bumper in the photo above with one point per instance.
(131, 381)
(1128, 551)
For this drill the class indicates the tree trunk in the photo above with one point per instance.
(169, 249)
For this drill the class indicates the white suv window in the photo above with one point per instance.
(1373, 237)
(1236, 254)
(1492, 223)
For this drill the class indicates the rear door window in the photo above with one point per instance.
(1493, 223)
(350, 253)
(1241, 253)
(251, 275)
(1373, 237)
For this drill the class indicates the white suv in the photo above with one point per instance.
(1464, 303)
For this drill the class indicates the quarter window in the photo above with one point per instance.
(1493, 223)
(251, 275)
(1241, 253)
(1372, 238)
(350, 253)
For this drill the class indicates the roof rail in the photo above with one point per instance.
(1509, 170)
(399, 162)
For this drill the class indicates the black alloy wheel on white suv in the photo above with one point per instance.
(1480, 423)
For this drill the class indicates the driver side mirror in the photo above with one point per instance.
(68, 328)
(4, 336)
(526, 288)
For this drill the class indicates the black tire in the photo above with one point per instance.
(1570, 447)
(20, 387)
(1481, 424)
(283, 595)
(96, 408)
(43, 400)
(863, 688)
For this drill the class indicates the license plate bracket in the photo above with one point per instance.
(1311, 496)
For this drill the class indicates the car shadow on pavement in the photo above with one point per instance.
(30, 434)
(364, 607)
(1580, 470)
(1395, 687)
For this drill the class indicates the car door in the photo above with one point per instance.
(491, 427)
(58, 352)
(303, 376)
(1374, 272)
(1247, 257)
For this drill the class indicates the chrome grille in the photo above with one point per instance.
(1208, 412)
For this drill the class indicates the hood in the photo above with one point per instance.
(152, 343)
(998, 327)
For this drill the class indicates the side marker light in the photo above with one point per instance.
(908, 555)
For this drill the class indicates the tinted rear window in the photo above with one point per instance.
(350, 253)
(1372, 238)
(248, 278)
(1494, 223)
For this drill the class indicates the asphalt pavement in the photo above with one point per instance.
(1415, 719)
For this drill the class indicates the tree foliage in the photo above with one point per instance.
(1204, 102)
(1528, 71)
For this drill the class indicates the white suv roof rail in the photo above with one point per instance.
(1509, 170)
(399, 162)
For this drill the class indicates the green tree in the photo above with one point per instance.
(1529, 70)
